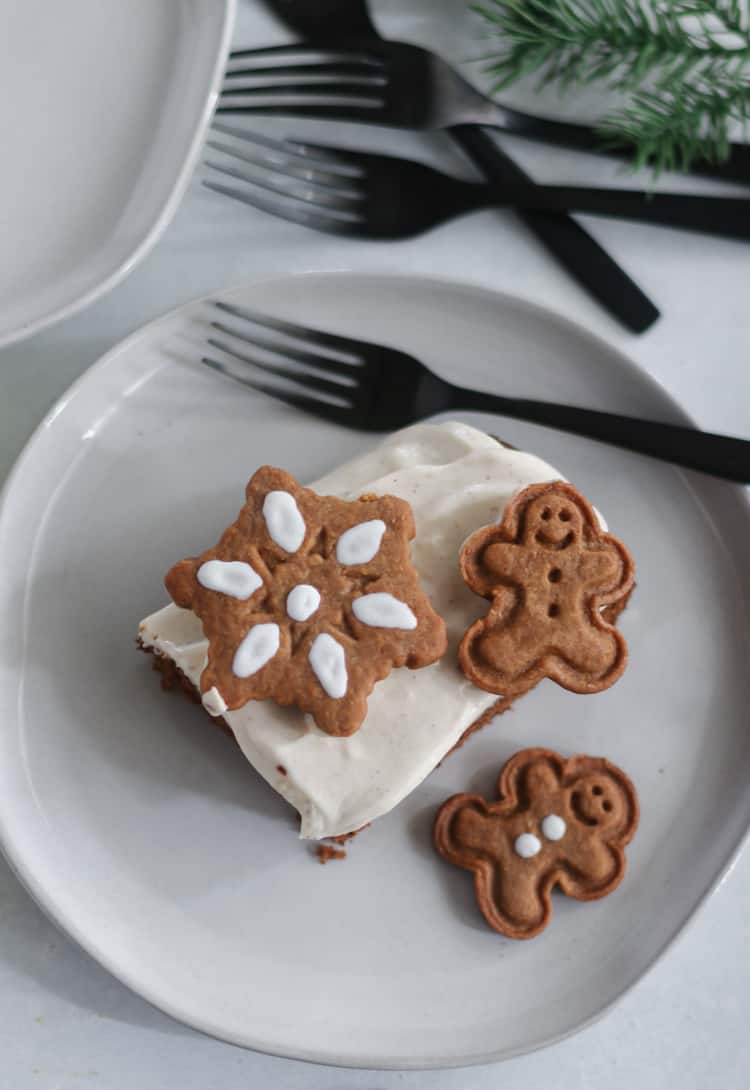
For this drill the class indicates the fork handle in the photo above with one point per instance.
(720, 455)
(576, 250)
(569, 134)
(728, 216)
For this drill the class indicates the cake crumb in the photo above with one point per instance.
(325, 852)
(343, 837)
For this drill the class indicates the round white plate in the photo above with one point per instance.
(103, 108)
(144, 833)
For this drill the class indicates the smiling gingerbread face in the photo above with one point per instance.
(600, 801)
(552, 521)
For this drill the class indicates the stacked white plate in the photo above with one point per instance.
(103, 109)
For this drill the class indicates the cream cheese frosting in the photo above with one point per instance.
(456, 479)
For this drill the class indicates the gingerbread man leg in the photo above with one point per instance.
(505, 656)
(589, 659)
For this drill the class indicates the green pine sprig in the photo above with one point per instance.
(681, 66)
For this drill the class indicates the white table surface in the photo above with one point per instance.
(64, 1022)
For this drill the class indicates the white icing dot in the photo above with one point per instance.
(383, 611)
(258, 647)
(360, 544)
(232, 577)
(214, 702)
(328, 663)
(526, 845)
(553, 827)
(283, 520)
(302, 601)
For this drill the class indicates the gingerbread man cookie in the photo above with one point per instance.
(558, 822)
(555, 581)
(308, 600)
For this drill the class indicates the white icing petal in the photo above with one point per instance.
(360, 544)
(214, 702)
(232, 577)
(527, 845)
(283, 520)
(328, 663)
(258, 647)
(383, 611)
(553, 827)
(302, 601)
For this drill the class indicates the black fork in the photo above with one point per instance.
(396, 83)
(331, 21)
(373, 388)
(382, 197)
(326, 20)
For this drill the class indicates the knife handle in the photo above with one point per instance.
(575, 249)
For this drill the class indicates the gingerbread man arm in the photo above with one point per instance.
(506, 561)
(601, 571)
(610, 572)
(529, 773)
(488, 556)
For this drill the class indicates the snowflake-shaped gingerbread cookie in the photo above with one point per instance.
(308, 600)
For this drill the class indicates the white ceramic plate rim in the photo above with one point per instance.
(163, 219)
(68, 925)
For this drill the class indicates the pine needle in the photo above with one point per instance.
(682, 66)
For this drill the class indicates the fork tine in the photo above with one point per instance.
(344, 159)
(302, 378)
(297, 214)
(304, 107)
(315, 54)
(293, 94)
(341, 414)
(339, 175)
(335, 366)
(310, 73)
(306, 191)
(286, 148)
(321, 179)
(356, 350)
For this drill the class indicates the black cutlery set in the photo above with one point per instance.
(345, 71)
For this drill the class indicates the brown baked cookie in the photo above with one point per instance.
(558, 822)
(308, 600)
(549, 572)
